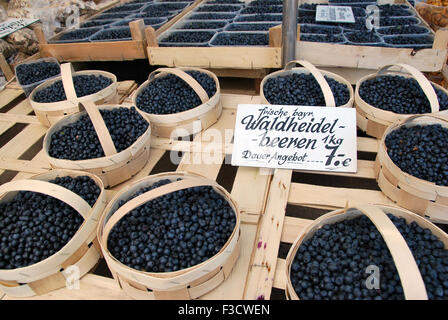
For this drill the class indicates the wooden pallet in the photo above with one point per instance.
(21, 156)
(276, 204)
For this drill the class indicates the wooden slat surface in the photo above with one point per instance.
(261, 196)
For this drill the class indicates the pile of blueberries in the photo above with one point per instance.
(420, 151)
(188, 37)
(79, 141)
(29, 73)
(78, 34)
(399, 94)
(403, 40)
(170, 94)
(397, 30)
(218, 8)
(262, 9)
(204, 25)
(302, 89)
(173, 232)
(330, 38)
(113, 34)
(212, 16)
(332, 264)
(34, 226)
(363, 37)
(250, 26)
(96, 23)
(84, 86)
(241, 39)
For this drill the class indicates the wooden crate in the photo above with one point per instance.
(351, 62)
(365, 57)
(107, 50)
(275, 204)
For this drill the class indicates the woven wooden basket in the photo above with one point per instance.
(51, 112)
(188, 122)
(411, 279)
(113, 168)
(308, 68)
(374, 121)
(419, 196)
(81, 251)
(183, 284)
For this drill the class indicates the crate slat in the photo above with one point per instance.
(262, 268)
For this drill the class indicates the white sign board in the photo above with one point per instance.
(293, 137)
(343, 14)
(12, 25)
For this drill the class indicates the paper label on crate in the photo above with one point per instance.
(295, 137)
(12, 25)
(342, 14)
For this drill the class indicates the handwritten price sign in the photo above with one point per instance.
(292, 137)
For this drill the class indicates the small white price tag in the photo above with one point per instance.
(342, 14)
(12, 25)
(293, 137)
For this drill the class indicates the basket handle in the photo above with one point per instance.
(436, 116)
(411, 279)
(424, 83)
(67, 82)
(328, 94)
(202, 94)
(100, 128)
(148, 196)
(50, 189)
